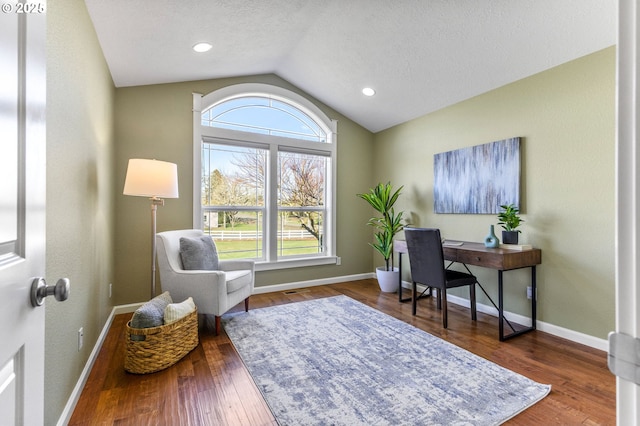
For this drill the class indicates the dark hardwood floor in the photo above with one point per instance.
(210, 386)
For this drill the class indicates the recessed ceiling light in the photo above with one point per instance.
(368, 91)
(202, 47)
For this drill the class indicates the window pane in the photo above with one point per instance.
(300, 203)
(302, 179)
(233, 176)
(300, 232)
(263, 115)
(237, 234)
(308, 125)
(233, 179)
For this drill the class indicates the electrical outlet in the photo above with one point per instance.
(110, 290)
(80, 338)
(338, 261)
(528, 292)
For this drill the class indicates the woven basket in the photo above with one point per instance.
(162, 346)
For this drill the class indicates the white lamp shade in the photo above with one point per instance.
(151, 178)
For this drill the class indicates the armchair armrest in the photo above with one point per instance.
(190, 278)
(234, 265)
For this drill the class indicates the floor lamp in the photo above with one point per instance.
(156, 180)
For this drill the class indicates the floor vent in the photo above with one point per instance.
(304, 290)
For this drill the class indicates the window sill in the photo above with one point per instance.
(296, 263)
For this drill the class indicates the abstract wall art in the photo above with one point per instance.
(477, 179)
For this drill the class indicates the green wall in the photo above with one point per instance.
(566, 117)
(80, 194)
(96, 235)
(156, 122)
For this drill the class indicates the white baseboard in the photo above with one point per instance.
(311, 283)
(574, 336)
(125, 309)
(65, 417)
(565, 333)
(82, 380)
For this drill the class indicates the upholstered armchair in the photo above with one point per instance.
(213, 291)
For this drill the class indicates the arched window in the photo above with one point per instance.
(259, 114)
(266, 181)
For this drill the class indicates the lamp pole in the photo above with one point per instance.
(155, 202)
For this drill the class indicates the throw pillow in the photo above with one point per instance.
(198, 253)
(175, 311)
(151, 314)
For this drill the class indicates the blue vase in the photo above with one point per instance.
(491, 240)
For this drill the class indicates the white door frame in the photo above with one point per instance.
(628, 200)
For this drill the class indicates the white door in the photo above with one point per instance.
(22, 212)
(628, 208)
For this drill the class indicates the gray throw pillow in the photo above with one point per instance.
(151, 314)
(198, 253)
(147, 316)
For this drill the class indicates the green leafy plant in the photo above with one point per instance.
(509, 218)
(382, 198)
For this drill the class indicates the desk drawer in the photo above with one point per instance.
(497, 258)
(478, 258)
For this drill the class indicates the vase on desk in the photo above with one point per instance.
(491, 240)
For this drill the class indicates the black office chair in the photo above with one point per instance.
(427, 267)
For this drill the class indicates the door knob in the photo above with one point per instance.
(40, 290)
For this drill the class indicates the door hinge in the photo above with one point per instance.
(624, 356)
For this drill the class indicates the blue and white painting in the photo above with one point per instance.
(477, 179)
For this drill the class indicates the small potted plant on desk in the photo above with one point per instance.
(382, 198)
(509, 219)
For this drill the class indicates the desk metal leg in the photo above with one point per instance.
(501, 308)
(400, 279)
(534, 296)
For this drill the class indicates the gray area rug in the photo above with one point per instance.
(336, 361)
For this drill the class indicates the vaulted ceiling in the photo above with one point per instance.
(419, 55)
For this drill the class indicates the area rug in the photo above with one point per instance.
(336, 361)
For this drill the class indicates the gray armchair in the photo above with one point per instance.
(214, 292)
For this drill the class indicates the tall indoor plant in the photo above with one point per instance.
(382, 198)
(509, 219)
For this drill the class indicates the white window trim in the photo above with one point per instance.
(329, 126)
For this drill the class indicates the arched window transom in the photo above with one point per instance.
(263, 115)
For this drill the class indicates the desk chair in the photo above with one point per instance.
(427, 267)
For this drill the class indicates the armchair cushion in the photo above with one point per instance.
(198, 253)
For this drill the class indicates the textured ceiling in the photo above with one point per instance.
(419, 55)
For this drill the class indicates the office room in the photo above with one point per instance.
(105, 106)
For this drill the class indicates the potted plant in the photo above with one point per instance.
(382, 198)
(509, 219)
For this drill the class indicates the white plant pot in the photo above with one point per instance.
(388, 280)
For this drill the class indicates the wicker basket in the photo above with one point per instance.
(162, 346)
